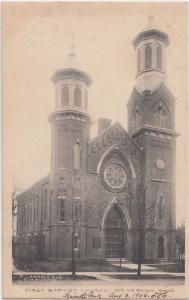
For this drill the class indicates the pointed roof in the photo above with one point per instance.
(109, 129)
(151, 24)
(72, 62)
(72, 70)
(151, 32)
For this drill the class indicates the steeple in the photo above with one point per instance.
(150, 45)
(70, 120)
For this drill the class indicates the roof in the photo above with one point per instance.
(72, 69)
(151, 31)
(35, 185)
(114, 125)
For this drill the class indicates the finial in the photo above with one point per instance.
(151, 24)
(150, 18)
(72, 48)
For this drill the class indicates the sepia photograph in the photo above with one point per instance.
(94, 111)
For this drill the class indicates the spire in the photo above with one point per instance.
(72, 68)
(151, 24)
(151, 32)
(71, 62)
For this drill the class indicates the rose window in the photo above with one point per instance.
(115, 176)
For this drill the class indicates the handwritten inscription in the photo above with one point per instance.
(105, 293)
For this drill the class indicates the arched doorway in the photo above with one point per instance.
(160, 247)
(114, 233)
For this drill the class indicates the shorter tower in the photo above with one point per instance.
(70, 124)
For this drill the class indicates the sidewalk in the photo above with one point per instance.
(99, 275)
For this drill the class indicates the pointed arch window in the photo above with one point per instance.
(148, 57)
(65, 96)
(160, 247)
(159, 57)
(136, 120)
(160, 207)
(77, 97)
(160, 117)
(139, 61)
(77, 155)
(86, 99)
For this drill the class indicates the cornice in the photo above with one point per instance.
(155, 131)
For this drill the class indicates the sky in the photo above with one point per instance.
(36, 42)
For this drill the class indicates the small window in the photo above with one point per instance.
(44, 206)
(96, 242)
(76, 241)
(65, 96)
(148, 57)
(160, 117)
(62, 209)
(77, 155)
(77, 210)
(159, 57)
(139, 61)
(136, 120)
(61, 180)
(86, 100)
(77, 97)
(160, 208)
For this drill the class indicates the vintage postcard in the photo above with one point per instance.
(94, 99)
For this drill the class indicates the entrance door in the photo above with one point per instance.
(114, 234)
(160, 247)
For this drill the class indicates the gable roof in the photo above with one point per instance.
(112, 127)
(162, 90)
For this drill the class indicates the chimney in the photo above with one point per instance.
(103, 123)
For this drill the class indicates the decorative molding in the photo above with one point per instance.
(121, 207)
(119, 150)
(161, 180)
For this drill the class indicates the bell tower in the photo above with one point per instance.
(150, 46)
(70, 120)
(151, 122)
(70, 123)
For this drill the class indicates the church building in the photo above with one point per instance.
(88, 203)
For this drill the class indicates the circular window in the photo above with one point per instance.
(160, 163)
(115, 176)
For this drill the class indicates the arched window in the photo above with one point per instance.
(77, 155)
(136, 120)
(160, 247)
(65, 96)
(86, 99)
(160, 117)
(160, 207)
(159, 57)
(139, 61)
(148, 57)
(77, 97)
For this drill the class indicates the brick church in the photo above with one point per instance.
(87, 204)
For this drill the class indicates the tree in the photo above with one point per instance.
(180, 241)
(143, 213)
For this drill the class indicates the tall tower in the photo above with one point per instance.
(151, 110)
(150, 46)
(70, 124)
